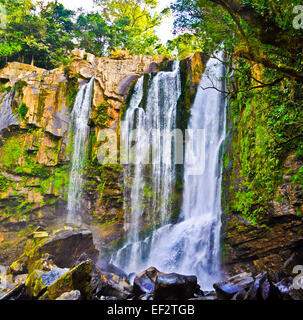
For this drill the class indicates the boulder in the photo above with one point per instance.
(34, 284)
(107, 283)
(287, 290)
(15, 293)
(295, 259)
(67, 246)
(110, 268)
(145, 281)
(175, 286)
(61, 249)
(226, 289)
(38, 281)
(115, 286)
(78, 278)
(72, 295)
(240, 295)
(146, 296)
(263, 289)
(19, 266)
(268, 290)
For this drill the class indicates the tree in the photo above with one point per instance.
(92, 33)
(132, 24)
(185, 45)
(36, 33)
(255, 30)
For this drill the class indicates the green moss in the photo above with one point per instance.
(4, 88)
(18, 87)
(259, 142)
(4, 183)
(72, 90)
(101, 118)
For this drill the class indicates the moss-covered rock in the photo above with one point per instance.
(78, 278)
(34, 284)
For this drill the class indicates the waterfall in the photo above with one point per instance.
(152, 173)
(192, 245)
(80, 131)
(7, 118)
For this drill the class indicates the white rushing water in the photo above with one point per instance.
(7, 118)
(152, 156)
(80, 130)
(192, 246)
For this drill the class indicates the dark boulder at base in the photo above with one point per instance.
(110, 268)
(226, 289)
(108, 281)
(287, 290)
(263, 289)
(175, 286)
(295, 259)
(14, 294)
(117, 287)
(67, 246)
(145, 281)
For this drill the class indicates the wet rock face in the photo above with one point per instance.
(151, 284)
(228, 288)
(36, 132)
(145, 282)
(44, 93)
(175, 287)
(266, 247)
(67, 246)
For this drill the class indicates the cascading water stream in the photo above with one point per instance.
(80, 129)
(153, 172)
(7, 118)
(192, 245)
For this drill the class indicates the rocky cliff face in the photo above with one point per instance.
(262, 182)
(36, 143)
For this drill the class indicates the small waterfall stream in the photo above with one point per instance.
(7, 118)
(192, 245)
(80, 130)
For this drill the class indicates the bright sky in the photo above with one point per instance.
(164, 32)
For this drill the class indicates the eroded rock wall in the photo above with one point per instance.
(36, 143)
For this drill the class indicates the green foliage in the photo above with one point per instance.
(121, 25)
(185, 45)
(267, 130)
(72, 90)
(21, 111)
(42, 36)
(101, 118)
(44, 33)
(4, 183)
